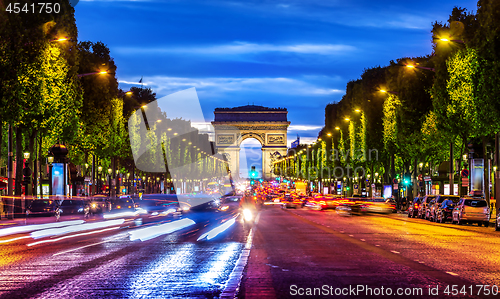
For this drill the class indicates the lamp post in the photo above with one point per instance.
(50, 160)
(99, 171)
(109, 181)
(27, 175)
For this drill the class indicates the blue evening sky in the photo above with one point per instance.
(294, 54)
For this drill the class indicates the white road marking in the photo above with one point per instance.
(362, 240)
(75, 249)
(451, 273)
(393, 251)
(233, 283)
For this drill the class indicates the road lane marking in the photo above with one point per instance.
(377, 245)
(394, 251)
(351, 235)
(363, 240)
(98, 243)
(234, 281)
(452, 273)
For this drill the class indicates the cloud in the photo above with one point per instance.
(240, 48)
(303, 128)
(164, 85)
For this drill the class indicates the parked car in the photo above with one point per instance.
(445, 211)
(41, 208)
(422, 209)
(497, 222)
(413, 208)
(436, 203)
(472, 210)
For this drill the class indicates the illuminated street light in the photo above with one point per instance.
(347, 119)
(337, 128)
(389, 91)
(328, 134)
(411, 66)
(94, 73)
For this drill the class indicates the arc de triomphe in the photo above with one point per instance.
(267, 125)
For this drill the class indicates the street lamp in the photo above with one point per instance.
(389, 91)
(411, 66)
(94, 73)
(27, 174)
(50, 160)
(99, 170)
(109, 181)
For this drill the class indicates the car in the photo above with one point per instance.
(291, 202)
(392, 203)
(99, 204)
(378, 205)
(121, 207)
(445, 211)
(422, 209)
(472, 210)
(413, 208)
(436, 203)
(41, 208)
(230, 203)
(72, 207)
(497, 221)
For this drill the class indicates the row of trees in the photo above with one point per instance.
(411, 112)
(54, 89)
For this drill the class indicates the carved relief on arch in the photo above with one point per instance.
(259, 136)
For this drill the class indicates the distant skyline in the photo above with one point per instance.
(294, 54)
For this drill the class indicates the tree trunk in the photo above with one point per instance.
(19, 161)
(486, 172)
(452, 176)
(1, 135)
(31, 150)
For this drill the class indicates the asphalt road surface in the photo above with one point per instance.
(284, 254)
(296, 251)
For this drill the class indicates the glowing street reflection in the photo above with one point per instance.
(158, 230)
(72, 236)
(75, 228)
(29, 228)
(216, 231)
(221, 263)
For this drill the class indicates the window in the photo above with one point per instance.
(476, 203)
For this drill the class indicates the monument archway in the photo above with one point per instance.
(268, 125)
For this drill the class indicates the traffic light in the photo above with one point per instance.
(254, 173)
(406, 180)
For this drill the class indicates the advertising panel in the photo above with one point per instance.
(57, 178)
